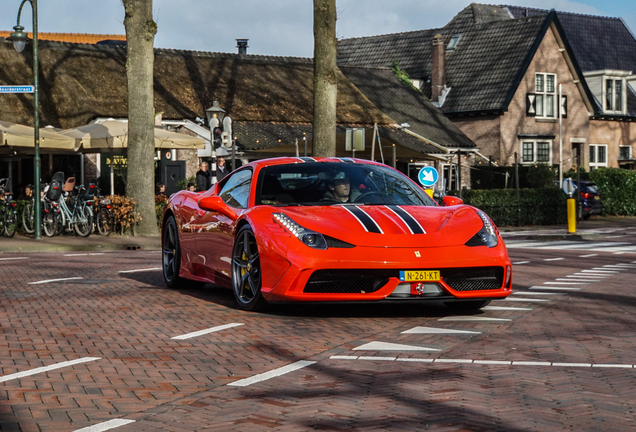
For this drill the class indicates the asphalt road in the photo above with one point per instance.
(93, 341)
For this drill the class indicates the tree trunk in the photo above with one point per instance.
(325, 78)
(140, 35)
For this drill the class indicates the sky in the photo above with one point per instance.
(273, 27)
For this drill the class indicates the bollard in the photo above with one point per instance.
(571, 215)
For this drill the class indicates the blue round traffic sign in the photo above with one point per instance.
(428, 176)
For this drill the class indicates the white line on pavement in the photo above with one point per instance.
(529, 300)
(596, 275)
(505, 308)
(553, 259)
(601, 269)
(587, 256)
(82, 254)
(520, 262)
(272, 374)
(537, 293)
(603, 272)
(47, 368)
(104, 426)
(386, 346)
(54, 280)
(140, 270)
(206, 331)
(16, 258)
(554, 288)
(434, 330)
(488, 362)
(567, 283)
(573, 278)
(471, 318)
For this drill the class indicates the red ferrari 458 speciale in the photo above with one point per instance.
(332, 230)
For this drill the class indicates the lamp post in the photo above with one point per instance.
(19, 39)
(217, 118)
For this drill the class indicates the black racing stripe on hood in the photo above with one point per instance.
(412, 224)
(365, 220)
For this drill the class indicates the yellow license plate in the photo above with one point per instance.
(419, 275)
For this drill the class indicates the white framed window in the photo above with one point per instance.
(598, 156)
(545, 94)
(614, 95)
(539, 151)
(624, 152)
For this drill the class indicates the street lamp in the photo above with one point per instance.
(19, 39)
(217, 118)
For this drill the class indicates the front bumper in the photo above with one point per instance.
(372, 274)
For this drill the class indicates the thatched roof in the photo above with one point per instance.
(81, 82)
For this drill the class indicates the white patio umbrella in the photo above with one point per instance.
(17, 135)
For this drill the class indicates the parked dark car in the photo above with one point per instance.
(591, 202)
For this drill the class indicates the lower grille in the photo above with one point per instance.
(473, 278)
(347, 281)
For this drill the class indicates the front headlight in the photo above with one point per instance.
(487, 235)
(308, 237)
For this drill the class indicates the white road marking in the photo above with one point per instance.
(100, 253)
(104, 426)
(567, 283)
(47, 368)
(206, 331)
(553, 259)
(596, 275)
(582, 277)
(54, 280)
(587, 256)
(572, 278)
(434, 330)
(385, 346)
(521, 262)
(272, 374)
(140, 270)
(519, 299)
(604, 269)
(489, 362)
(555, 288)
(82, 254)
(603, 272)
(505, 308)
(537, 293)
(16, 258)
(226, 259)
(471, 318)
(617, 267)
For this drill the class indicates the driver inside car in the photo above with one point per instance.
(340, 190)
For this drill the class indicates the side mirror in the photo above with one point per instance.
(216, 204)
(451, 201)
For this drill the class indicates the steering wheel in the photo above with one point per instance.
(376, 197)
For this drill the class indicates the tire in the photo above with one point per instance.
(466, 306)
(60, 222)
(171, 258)
(246, 271)
(83, 221)
(28, 222)
(104, 222)
(49, 223)
(10, 221)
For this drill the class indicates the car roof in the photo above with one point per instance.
(307, 159)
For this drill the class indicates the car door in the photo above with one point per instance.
(216, 236)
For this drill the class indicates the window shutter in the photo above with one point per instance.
(531, 104)
(564, 106)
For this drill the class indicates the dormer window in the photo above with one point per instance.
(614, 95)
(452, 43)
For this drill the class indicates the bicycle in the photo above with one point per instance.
(105, 220)
(8, 216)
(77, 215)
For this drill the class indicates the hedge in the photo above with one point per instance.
(618, 190)
(535, 206)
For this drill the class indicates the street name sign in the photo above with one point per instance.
(17, 89)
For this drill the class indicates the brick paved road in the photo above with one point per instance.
(127, 320)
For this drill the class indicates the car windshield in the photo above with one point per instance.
(337, 183)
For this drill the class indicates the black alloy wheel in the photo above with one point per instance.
(171, 258)
(246, 271)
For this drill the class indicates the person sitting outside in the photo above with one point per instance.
(340, 191)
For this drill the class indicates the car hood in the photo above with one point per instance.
(390, 226)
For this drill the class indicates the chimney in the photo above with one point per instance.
(438, 66)
(241, 44)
